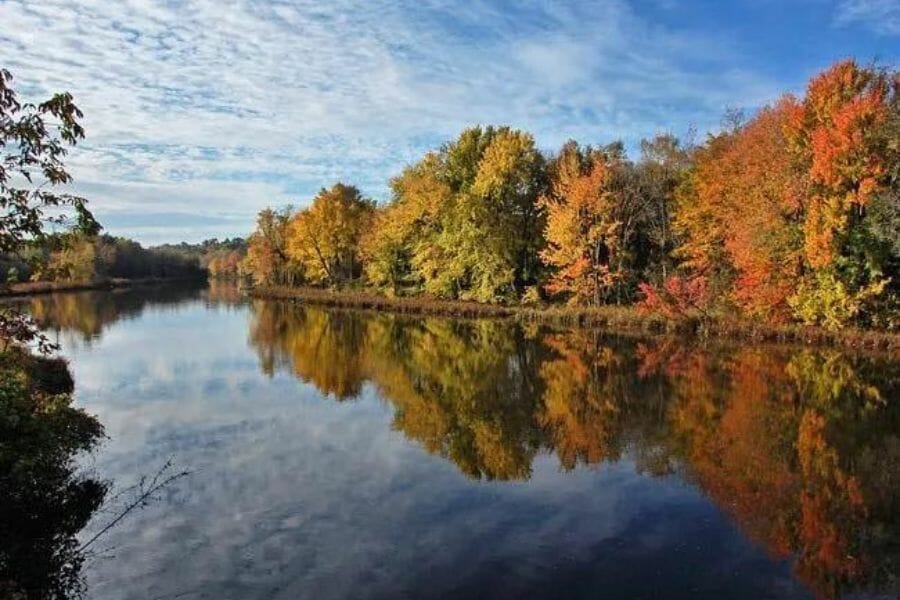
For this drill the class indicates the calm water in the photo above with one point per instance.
(352, 455)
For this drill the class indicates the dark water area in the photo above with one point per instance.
(341, 454)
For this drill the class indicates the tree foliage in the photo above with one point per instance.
(46, 499)
(468, 218)
(583, 232)
(267, 260)
(34, 140)
(739, 214)
(790, 215)
(324, 239)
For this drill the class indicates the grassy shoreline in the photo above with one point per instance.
(613, 318)
(33, 288)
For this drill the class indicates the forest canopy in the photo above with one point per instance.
(792, 215)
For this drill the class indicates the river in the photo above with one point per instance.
(342, 454)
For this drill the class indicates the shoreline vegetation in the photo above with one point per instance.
(33, 288)
(783, 225)
(615, 319)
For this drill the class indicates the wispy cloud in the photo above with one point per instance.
(881, 16)
(218, 108)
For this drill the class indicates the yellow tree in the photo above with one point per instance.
(582, 233)
(325, 237)
(464, 221)
(267, 261)
(504, 204)
(398, 248)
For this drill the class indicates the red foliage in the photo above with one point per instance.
(679, 297)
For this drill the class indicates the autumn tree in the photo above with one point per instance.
(486, 246)
(267, 260)
(581, 231)
(398, 250)
(599, 208)
(464, 222)
(74, 260)
(325, 237)
(224, 264)
(740, 214)
(837, 140)
(503, 215)
(775, 215)
(662, 167)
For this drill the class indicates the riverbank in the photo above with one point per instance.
(32, 288)
(626, 319)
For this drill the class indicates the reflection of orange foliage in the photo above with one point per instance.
(734, 441)
(832, 508)
(580, 409)
(786, 441)
(750, 435)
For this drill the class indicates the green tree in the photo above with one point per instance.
(45, 501)
(399, 249)
(469, 219)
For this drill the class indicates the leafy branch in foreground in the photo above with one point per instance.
(34, 140)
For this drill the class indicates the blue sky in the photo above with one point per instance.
(201, 112)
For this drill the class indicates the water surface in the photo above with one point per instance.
(340, 454)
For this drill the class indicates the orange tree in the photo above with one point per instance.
(776, 212)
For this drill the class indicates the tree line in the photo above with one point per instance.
(79, 256)
(791, 215)
(221, 259)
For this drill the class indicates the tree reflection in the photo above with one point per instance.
(318, 347)
(465, 390)
(224, 292)
(800, 447)
(86, 314)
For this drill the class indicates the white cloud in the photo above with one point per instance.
(881, 16)
(216, 108)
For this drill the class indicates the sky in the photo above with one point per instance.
(201, 112)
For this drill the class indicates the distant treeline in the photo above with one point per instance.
(792, 215)
(221, 259)
(77, 256)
